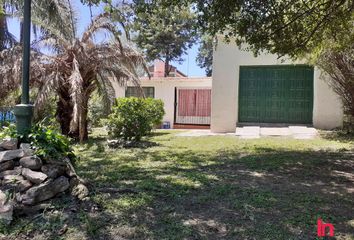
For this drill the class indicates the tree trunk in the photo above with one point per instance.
(64, 111)
(83, 130)
(167, 67)
(3, 29)
(21, 32)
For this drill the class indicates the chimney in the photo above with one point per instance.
(159, 68)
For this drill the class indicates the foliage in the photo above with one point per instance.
(49, 13)
(77, 68)
(8, 131)
(289, 27)
(50, 144)
(47, 142)
(97, 110)
(320, 30)
(339, 66)
(164, 32)
(132, 118)
(205, 54)
(95, 2)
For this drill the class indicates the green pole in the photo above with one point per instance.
(24, 111)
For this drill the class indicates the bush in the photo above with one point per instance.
(98, 109)
(47, 143)
(50, 144)
(8, 131)
(132, 118)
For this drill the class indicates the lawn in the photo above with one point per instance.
(216, 187)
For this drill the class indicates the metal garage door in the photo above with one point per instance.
(193, 106)
(276, 94)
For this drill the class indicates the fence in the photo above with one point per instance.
(6, 115)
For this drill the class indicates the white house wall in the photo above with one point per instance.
(165, 90)
(327, 111)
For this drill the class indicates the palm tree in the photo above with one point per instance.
(55, 13)
(78, 67)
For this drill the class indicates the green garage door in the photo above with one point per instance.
(276, 94)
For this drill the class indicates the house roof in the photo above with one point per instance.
(158, 70)
(179, 79)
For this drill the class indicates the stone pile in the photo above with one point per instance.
(27, 180)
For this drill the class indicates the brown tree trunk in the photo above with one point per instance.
(3, 29)
(64, 111)
(167, 67)
(83, 128)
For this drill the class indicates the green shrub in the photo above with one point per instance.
(98, 109)
(47, 142)
(132, 118)
(8, 131)
(50, 144)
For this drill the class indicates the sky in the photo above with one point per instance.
(189, 66)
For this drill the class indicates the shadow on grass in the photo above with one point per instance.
(185, 194)
(251, 192)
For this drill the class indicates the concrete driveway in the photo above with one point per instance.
(297, 132)
(253, 132)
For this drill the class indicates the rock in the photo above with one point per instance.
(73, 182)
(32, 162)
(24, 185)
(9, 144)
(6, 209)
(16, 171)
(7, 165)
(53, 171)
(45, 190)
(11, 155)
(21, 210)
(80, 191)
(6, 213)
(17, 185)
(3, 198)
(115, 143)
(70, 170)
(35, 177)
(13, 179)
(28, 152)
(25, 146)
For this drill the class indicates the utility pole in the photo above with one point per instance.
(24, 111)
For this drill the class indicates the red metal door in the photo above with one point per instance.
(193, 106)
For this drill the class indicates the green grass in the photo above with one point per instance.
(218, 187)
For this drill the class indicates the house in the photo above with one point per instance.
(264, 89)
(187, 100)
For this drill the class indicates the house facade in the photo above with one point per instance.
(264, 89)
(187, 100)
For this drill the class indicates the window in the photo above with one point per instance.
(134, 92)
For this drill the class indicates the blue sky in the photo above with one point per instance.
(188, 67)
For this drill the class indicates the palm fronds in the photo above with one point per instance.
(78, 67)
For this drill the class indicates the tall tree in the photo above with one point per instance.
(320, 31)
(287, 27)
(79, 67)
(6, 38)
(163, 32)
(205, 54)
(51, 13)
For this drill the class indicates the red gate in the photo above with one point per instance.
(193, 106)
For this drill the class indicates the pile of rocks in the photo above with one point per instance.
(27, 180)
